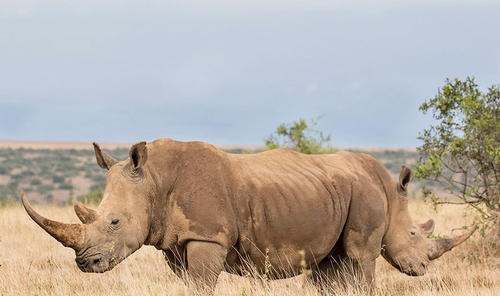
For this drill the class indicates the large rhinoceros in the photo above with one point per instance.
(278, 210)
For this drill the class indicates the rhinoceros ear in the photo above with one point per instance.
(138, 155)
(404, 179)
(427, 228)
(104, 160)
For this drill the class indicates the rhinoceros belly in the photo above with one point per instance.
(289, 219)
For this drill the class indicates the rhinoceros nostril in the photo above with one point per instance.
(80, 261)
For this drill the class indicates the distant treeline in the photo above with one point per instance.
(60, 176)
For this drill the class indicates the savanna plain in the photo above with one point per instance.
(33, 263)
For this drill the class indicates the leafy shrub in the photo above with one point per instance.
(462, 149)
(35, 182)
(58, 179)
(93, 197)
(301, 136)
(66, 186)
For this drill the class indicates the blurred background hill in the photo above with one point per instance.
(59, 172)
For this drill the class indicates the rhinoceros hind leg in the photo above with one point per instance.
(176, 260)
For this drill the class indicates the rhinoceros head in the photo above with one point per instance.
(407, 245)
(120, 224)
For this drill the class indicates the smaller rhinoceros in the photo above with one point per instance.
(278, 210)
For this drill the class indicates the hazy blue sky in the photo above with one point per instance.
(229, 71)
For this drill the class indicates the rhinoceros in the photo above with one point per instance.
(278, 211)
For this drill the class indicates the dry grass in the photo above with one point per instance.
(32, 263)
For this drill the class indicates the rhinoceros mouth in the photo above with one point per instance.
(410, 267)
(95, 263)
(415, 271)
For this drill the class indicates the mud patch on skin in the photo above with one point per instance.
(363, 244)
(203, 230)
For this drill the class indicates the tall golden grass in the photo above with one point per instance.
(32, 263)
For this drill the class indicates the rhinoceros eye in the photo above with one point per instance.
(115, 221)
(413, 233)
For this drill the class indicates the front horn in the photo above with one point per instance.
(443, 245)
(86, 215)
(70, 235)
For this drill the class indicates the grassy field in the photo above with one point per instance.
(32, 263)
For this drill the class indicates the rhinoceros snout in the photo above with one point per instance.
(414, 268)
(95, 263)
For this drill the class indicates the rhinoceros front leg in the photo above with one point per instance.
(365, 271)
(205, 262)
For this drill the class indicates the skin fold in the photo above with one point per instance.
(282, 211)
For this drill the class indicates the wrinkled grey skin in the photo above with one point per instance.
(211, 211)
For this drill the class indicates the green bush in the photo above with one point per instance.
(301, 136)
(58, 179)
(66, 186)
(93, 197)
(461, 149)
(35, 182)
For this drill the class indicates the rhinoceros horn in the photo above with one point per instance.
(70, 235)
(443, 245)
(86, 215)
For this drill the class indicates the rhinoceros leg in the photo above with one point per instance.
(333, 271)
(362, 252)
(365, 269)
(205, 262)
(176, 260)
(340, 271)
(326, 272)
